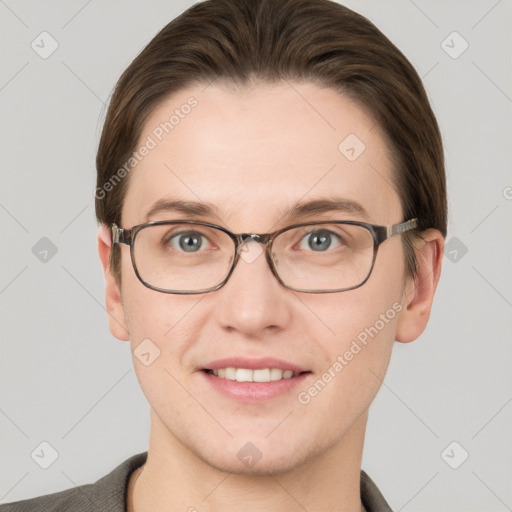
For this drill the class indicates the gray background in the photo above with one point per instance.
(65, 380)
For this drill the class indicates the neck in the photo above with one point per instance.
(174, 478)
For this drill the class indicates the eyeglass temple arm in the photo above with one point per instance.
(120, 235)
(396, 229)
(385, 232)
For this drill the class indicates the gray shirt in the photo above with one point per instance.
(108, 494)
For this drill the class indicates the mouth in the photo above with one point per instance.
(257, 375)
(253, 380)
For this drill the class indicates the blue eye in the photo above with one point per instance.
(321, 240)
(187, 241)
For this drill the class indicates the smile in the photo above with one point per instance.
(248, 375)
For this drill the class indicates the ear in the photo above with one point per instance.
(419, 290)
(113, 298)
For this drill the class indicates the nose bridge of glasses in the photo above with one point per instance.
(244, 248)
(243, 238)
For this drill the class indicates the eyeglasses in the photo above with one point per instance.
(186, 257)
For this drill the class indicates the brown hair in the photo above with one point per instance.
(308, 40)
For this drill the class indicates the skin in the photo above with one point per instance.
(252, 152)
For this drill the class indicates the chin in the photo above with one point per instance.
(270, 464)
(256, 455)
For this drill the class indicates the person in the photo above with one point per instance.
(272, 205)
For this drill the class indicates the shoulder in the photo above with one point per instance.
(70, 499)
(107, 494)
(372, 498)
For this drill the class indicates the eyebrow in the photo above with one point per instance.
(326, 205)
(187, 208)
(297, 211)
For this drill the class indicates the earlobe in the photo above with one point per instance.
(419, 291)
(113, 298)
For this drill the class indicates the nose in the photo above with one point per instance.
(253, 301)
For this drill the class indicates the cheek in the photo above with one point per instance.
(370, 311)
(354, 361)
(159, 339)
(168, 322)
(355, 331)
(148, 313)
(362, 330)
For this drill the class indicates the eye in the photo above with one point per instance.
(321, 240)
(186, 241)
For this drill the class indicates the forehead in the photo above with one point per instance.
(252, 152)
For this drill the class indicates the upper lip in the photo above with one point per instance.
(253, 364)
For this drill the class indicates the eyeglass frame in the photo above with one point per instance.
(378, 232)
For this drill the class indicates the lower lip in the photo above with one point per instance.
(254, 392)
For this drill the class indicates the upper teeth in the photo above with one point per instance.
(247, 375)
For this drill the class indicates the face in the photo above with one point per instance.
(252, 153)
